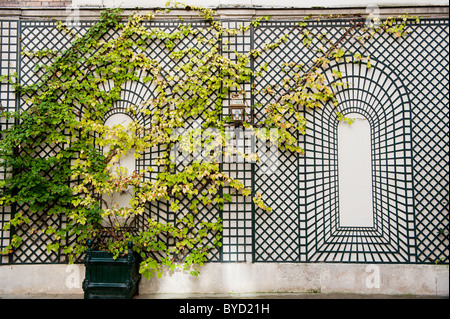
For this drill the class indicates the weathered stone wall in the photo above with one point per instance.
(241, 278)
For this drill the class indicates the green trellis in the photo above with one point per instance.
(404, 96)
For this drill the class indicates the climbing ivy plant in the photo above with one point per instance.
(67, 107)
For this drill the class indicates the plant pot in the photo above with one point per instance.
(109, 278)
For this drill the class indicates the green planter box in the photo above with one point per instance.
(108, 278)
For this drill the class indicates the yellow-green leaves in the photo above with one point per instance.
(191, 74)
(347, 120)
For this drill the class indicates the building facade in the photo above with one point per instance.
(383, 230)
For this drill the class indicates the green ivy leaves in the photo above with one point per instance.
(62, 158)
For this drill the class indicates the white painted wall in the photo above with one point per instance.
(127, 161)
(260, 3)
(229, 278)
(355, 173)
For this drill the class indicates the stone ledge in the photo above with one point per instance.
(245, 278)
(225, 13)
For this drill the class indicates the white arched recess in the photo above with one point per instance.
(360, 211)
(133, 94)
(355, 172)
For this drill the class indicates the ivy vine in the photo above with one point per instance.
(66, 110)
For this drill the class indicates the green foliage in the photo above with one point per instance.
(66, 112)
(347, 120)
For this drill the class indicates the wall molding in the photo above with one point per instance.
(225, 13)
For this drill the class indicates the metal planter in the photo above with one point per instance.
(109, 278)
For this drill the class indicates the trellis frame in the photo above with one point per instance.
(298, 236)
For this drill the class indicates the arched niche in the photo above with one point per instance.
(377, 95)
(132, 94)
(127, 161)
(355, 172)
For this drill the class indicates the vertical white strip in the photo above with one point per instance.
(355, 173)
(127, 161)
